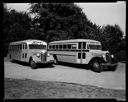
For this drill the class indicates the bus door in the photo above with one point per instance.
(24, 52)
(81, 52)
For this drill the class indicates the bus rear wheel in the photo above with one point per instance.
(114, 68)
(55, 60)
(96, 66)
(32, 64)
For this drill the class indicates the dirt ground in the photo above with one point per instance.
(70, 74)
(31, 89)
(62, 81)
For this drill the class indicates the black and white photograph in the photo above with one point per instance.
(64, 50)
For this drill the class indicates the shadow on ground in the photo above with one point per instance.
(38, 65)
(78, 66)
(31, 89)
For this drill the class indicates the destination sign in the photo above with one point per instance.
(36, 42)
(94, 43)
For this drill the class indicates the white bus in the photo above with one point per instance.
(31, 51)
(82, 51)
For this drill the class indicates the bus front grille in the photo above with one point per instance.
(43, 57)
(108, 57)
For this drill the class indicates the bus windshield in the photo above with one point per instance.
(33, 46)
(94, 47)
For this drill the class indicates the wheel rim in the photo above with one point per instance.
(55, 61)
(33, 64)
(96, 66)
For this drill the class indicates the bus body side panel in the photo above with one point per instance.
(88, 58)
(81, 60)
(65, 56)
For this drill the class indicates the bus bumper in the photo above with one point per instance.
(46, 62)
(109, 65)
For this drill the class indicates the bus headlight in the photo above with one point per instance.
(112, 55)
(48, 55)
(103, 56)
(38, 55)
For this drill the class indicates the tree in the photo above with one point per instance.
(16, 26)
(121, 52)
(61, 21)
(111, 36)
(112, 41)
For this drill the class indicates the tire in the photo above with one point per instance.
(96, 66)
(33, 64)
(55, 60)
(10, 58)
(114, 68)
(51, 65)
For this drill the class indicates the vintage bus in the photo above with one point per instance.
(31, 51)
(82, 51)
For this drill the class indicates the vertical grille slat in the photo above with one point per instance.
(43, 57)
(108, 57)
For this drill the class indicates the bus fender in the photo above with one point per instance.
(100, 59)
(32, 57)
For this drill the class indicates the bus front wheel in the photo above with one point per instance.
(32, 64)
(96, 66)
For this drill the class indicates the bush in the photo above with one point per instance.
(121, 55)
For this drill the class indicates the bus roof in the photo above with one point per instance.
(74, 40)
(28, 41)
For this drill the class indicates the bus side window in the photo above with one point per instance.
(25, 55)
(73, 46)
(79, 45)
(25, 46)
(87, 46)
(64, 46)
(56, 46)
(20, 46)
(84, 45)
(84, 55)
(60, 46)
(69, 46)
(53, 46)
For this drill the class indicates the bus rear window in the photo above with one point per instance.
(33, 46)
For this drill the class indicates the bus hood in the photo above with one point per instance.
(38, 51)
(98, 52)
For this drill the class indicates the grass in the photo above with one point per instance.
(31, 89)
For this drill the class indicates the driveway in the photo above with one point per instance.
(62, 73)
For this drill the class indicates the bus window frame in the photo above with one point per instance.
(75, 46)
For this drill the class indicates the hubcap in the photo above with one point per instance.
(33, 63)
(96, 65)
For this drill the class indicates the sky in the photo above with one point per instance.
(99, 13)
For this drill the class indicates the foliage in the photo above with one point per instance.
(60, 21)
(16, 26)
(112, 40)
